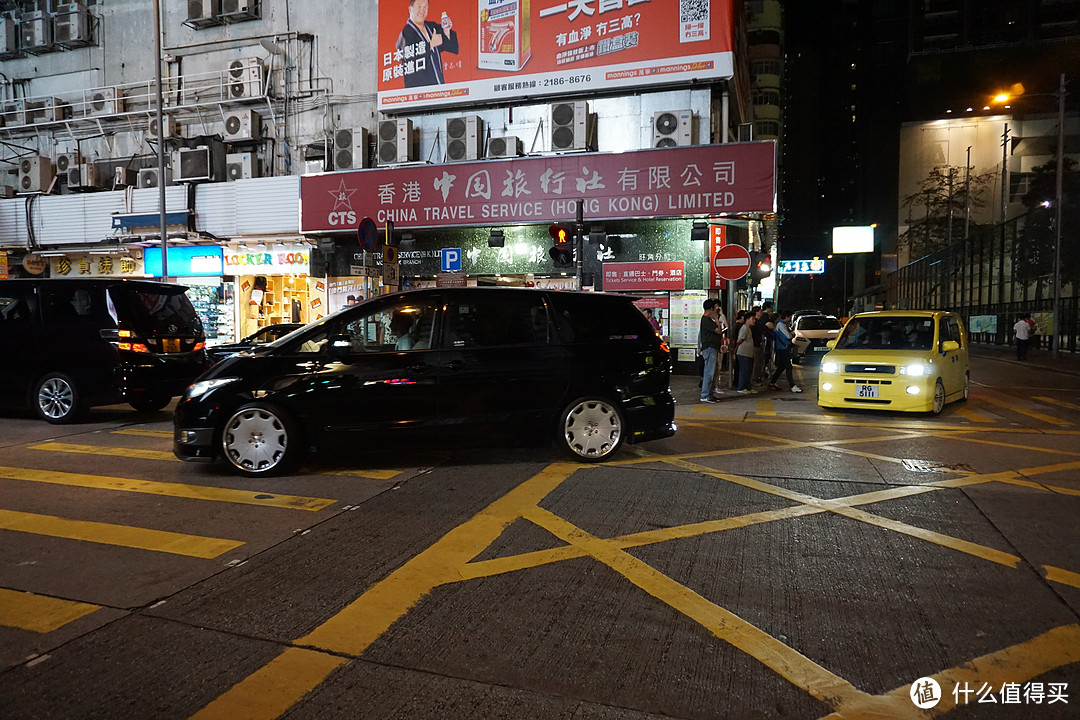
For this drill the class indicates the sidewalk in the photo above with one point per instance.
(687, 388)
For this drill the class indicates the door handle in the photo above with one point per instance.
(455, 365)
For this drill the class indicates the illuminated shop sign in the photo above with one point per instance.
(83, 265)
(267, 262)
(186, 261)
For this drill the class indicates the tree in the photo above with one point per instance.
(1034, 256)
(938, 206)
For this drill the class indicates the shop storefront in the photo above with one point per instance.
(271, 283)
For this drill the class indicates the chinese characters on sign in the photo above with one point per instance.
(643, 276)
(801, 267)
(97, 266)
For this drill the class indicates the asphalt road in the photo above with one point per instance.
(769, 561)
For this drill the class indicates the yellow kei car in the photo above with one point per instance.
(908, 360)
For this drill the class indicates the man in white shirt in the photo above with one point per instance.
(1022, 331)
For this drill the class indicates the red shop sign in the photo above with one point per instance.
(643, 276)
(654, 183)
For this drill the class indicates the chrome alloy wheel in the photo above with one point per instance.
(255, 440)
(56, 398)
(939, 398)
(592, 429)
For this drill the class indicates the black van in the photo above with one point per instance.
(433, 365)
(70, 344)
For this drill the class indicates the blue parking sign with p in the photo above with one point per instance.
(451, 259)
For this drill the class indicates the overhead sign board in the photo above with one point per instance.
(653, 183)
(630, 276)
(801, 267)
(853, 239)
(472, 52)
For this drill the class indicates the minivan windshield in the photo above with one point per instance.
(891, 332)
(164, 310)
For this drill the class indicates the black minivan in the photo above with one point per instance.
(70, 344)
(434, 364)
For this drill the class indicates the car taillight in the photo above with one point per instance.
(665, 347)
(200, 346)
(133, 347)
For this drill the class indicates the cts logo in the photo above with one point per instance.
(343, 218)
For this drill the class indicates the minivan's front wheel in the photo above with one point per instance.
(591, 429)
(260, 440)
(939, 398)
(56, 399)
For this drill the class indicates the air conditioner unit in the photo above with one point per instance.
(203, 13)
(198, 164)
(45, 110)
(171, 131)
(244, 79)
(9, 36)
(464, 138)
(83, 177)
(672, 128)
(502, 147)
(235, 10)
(36, 174)
(573, 128)
(13, 113)
(241, 166)
(71, 25)
(148, 177)
(67, 161)
(124, 177)
(35, 32)
(350, 148)
(243, 126)
(397, 142)
(6, 191)
(102, 101)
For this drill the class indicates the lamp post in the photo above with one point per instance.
(160, 119)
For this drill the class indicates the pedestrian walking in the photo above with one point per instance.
(1022, 333)
(744, 352)
(783, 336)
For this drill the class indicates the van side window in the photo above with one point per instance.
(17, 306)
(72, 303)
(954, 331)
(493, 321)
(602, 320)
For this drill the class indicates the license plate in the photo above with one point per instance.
(821, 349)
(171, 344)
(866, 391)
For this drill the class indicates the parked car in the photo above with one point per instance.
(70, 344)
(799, 313)
(907, 360)
(424, 365)
(262, 336)
(811, 333)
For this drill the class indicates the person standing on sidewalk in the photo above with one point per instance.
(782, 342)
(744, 353)
(710, 337)
(758, 330)
(1022, 332)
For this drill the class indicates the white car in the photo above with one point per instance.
(812, 332)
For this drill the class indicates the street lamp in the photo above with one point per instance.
(1060, 157)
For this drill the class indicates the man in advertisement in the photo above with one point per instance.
(424, 42)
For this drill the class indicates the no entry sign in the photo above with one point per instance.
(731, 262)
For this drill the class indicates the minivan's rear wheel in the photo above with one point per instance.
(260, 440)
(56, 399)
(145, 402)
(939, 398)
(591, 429)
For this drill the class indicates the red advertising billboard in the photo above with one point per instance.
(435, 52)
(630, 276)
(656, 183)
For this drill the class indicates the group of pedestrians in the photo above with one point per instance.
(762, 343)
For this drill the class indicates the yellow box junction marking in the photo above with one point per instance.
(1059, 403)
(181, 490)
(106, 451)
(972, 415)
(352, 631)
(39, 613)
(123, 535)
(143, 432)
(766, 408)
(1035, 414)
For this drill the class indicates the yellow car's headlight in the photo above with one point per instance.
(830, 367)
(916, 369)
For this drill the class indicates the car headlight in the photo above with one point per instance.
(202, 387)
(915, 369)
(830, 367)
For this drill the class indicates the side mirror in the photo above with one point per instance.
(831, 344)
(339, 347)
(950, 346)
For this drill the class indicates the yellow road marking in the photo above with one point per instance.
(372, 474)
(1042, 417)
(39, 613)
(107, 451)
(766, 408)
(999, 443)
(274, 688)
(1059, 403)
(123, 535)
(973, 416)
(1065, 577)
(196, 492)
(144, 432)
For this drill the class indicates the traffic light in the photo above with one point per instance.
(760, 265)
(562, 252)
